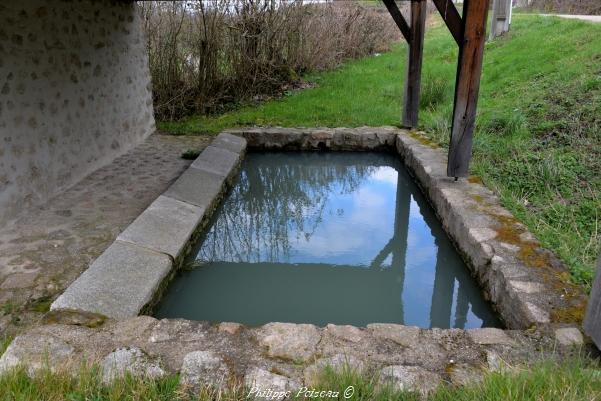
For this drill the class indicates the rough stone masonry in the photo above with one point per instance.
(282, 356)
(75, 93)
(95, 319)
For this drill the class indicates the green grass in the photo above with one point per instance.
(547, 381)
(538, 135)
(575, 380)
(572, 380)
(4, 343)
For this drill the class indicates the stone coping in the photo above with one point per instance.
(282, 356)
(526, 284)
(128, 278)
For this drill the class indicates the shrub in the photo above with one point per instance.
(207, 56)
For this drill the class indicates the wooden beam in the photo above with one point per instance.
(413, 77)
(467, 86)
(396, 15)
(451, 17)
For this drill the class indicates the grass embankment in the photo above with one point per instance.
(538, 136)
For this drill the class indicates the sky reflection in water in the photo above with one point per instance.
(344, 238)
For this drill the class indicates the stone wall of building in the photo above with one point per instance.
(75, 93)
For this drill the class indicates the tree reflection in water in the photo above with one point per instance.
(277, 200)
(327, 238)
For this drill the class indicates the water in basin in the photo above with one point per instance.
(343, 238)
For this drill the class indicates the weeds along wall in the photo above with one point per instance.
(207, 56)
(75, 92)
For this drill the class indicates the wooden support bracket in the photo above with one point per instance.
(398, 18)
(451, 17)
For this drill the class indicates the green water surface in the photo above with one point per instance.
(343, 238)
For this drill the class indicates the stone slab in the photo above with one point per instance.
(197, 187)
(36, 352)
(204, 368)
(217, 160)
(296, 342)
(320, 138)
(130, 361)
(464, 375)
(165, 226)
(119, 283)
(265, 385)
(345, 332)
(410, 378)
(230, 327)
(233, 143)
(490, 336)
(569, 336)
(521, 299)
(406, 336)
(18, 281)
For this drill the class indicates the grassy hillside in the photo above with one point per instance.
(538, 139)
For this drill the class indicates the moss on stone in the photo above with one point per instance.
(41, 305)
(478, 198)
(423, 140)
(474, 179)
(75, 317)
(571, 314)
(571, 310)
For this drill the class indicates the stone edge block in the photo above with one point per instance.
(197, 187)
(166, 226)
(319, 138)
(470, 213)
(568, 336)
(120, 291)
(119, 284)
(233, 143)
(217, 160)
(490, 336)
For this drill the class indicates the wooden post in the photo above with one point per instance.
(467, 86)
(592, 320)
(413, 75)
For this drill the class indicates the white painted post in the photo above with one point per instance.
(501, 15)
